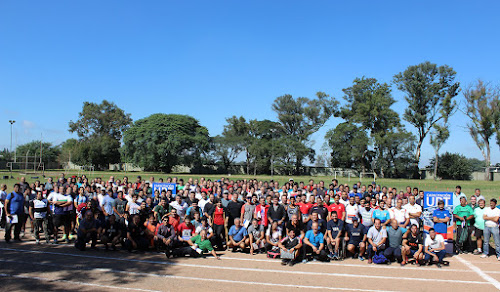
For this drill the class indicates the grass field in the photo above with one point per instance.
(489, 189)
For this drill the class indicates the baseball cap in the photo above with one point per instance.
(291, 179)
(354, 218)
(355, 186)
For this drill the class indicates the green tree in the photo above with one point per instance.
(429, 90)
(300, 118)
(48, 151)
(454, 166)
(237, 132)
(161, 141)
(397, 147)
(349, 145)
(104, 119)
(438, 137)
(225, 150)
(482, 108)
(99, 128)
(369, 107)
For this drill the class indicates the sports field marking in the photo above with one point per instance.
(179, 278)
(74, 282)
(482, 274)
(342, 264)
(253, 269)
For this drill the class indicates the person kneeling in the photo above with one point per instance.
(289, 248)
(87, 231)
(434, 248)
(314, 244)
(198, 245)
(238, 236)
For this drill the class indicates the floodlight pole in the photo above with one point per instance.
(11, 123)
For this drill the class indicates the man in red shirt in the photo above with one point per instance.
(261, 212)
(337, 207)
(185, 230)
(304, 208)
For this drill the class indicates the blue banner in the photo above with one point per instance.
(165, 186)
(431, 200)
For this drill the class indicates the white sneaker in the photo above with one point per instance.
(498, 259)
(483, 256)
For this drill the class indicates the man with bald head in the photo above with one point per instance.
(314, 244)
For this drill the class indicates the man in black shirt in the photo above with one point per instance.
(320, 209)
(233, 210)
(297, 225)
(334, 230)
(290, 244)
(276, 212)
(111, 233)
(136, 239)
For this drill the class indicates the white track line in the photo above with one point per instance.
(105, 270)
(73, 282)
(342, 264)
(255, 269)
(482, 274)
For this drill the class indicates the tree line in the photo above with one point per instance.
(371, 137)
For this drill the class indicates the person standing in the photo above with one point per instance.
(39, 207)
(463, 214)
(14, 212)
(491, 216)
(479, 226)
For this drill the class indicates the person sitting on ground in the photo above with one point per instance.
(198, 245)
(185, 231)
(314, 244)
(395, 237)
(273, 236)
(87, 231)
(355, 236)
(290, 245)
(412, 246)
(434, 248)
(333, 235)
(238, 236)
(165, 237)
(111, 232)
(136, 239)
(377, 236)
(256, 236)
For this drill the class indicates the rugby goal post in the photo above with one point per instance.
(368, 174)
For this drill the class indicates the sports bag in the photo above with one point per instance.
(379, 259)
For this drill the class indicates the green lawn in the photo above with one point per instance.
(488, 188)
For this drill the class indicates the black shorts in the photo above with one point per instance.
(62, 220)
(478, 232)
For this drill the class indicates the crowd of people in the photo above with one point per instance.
(296, 221)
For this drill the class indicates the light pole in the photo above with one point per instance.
(11, 123)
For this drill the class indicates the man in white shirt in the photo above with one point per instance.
(434, 248)
(400, 214)
(351, 210)
(414, 210)
(491, 216)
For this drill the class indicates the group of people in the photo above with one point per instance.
(294, 221)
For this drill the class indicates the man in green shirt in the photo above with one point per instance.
(463, 213)
(198, 245)
(479, 225)
(161, 209)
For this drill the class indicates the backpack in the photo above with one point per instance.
(379, 259)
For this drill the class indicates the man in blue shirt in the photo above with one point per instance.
(14, 212)
(314, 244)
(238, 236)
(441, 217)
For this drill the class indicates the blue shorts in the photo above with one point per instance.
(412, 252)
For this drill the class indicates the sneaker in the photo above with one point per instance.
(484, 256)
(498, 258)
(369, 261)
(167, 253)
(438, 265)
(67, 240)
(55, 241)
(304, 261)
(71, 237)
(64, 237)
(361, 258)
(38, 241)
(291, 263)
(284, 262)
(330, 256)
(476, 252)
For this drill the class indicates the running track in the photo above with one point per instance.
(26, 266)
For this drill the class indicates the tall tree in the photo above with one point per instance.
(429, 90)
(225, 150)
(438, 137)
(161, 141)
(237, 130)
(482, 108)
(99, 128)
(104, 119)
(349, 145)
(369, 106)
(36, 148)
(301, 117)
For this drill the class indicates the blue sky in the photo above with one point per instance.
(215, 59)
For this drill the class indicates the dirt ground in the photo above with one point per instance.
(27, 266)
